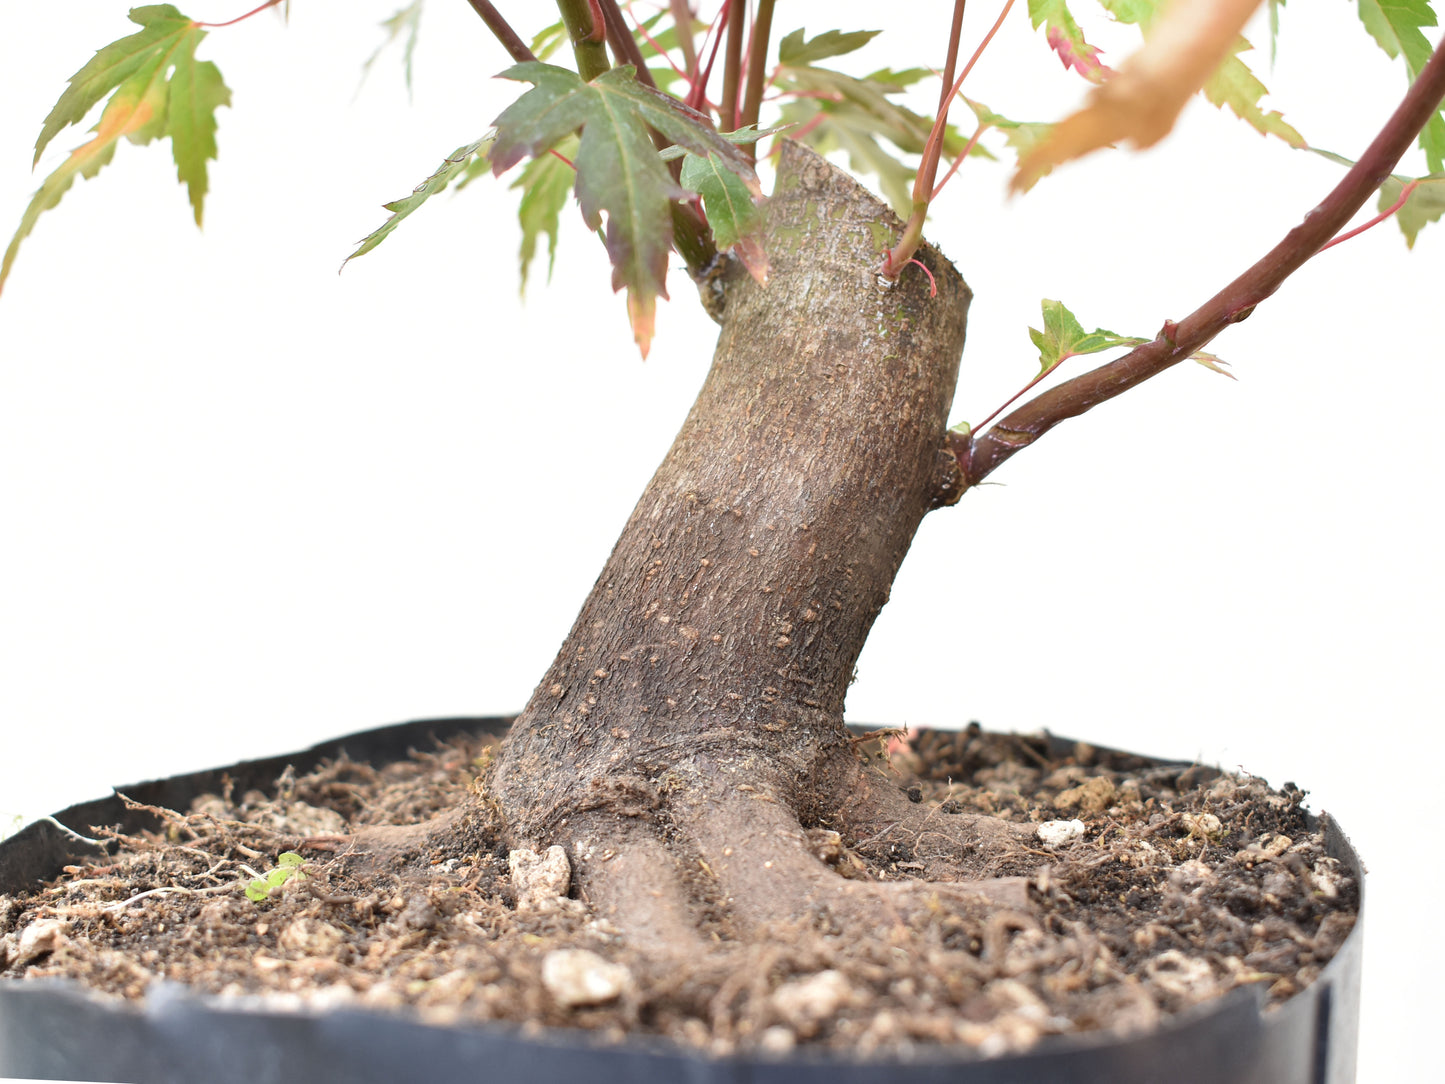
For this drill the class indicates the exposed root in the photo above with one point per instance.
(632, 883)
(725, 859)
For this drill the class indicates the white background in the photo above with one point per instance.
(246, 504)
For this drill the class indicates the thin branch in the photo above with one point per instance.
(697, 96)
(682, 19)
(979, 456)
(585, 31)
(732, 68)
(624, 45)
(928, 168)
(897, 258)
(757, 66)
(503, 31)
(1386, 213)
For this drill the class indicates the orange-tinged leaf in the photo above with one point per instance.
(1142, 100)
(619, 172)
(642, 312)
(157, 89)
(1214, 362)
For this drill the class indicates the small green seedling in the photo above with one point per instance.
(288, 865)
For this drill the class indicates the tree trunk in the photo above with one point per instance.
(714, 653)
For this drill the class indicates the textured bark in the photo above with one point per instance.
(728, 619)
(687, 745)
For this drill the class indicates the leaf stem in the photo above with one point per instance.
(243, 18)
(503, 31)
(624, 45)
(1386, 213)
(979, 456)
(757, 68)
(958, 161)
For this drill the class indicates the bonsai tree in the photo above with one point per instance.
(699, 698)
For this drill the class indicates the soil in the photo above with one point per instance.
(1185, 883)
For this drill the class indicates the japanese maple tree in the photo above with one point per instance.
(694, 715)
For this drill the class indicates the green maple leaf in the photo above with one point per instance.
(156, 88)
(1274, 6)
(794, 52)
(454, 164)
(1425, 204)
(1021, 136)
(1396, 27)
(549, 39)
(546, 182)
(618, 170)
(406, 22)
(1234, 85)
(843, 112)
(1133, 12)
(732, 214)
(1064, 337)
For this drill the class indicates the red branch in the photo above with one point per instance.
(980, 455)
(503, 31)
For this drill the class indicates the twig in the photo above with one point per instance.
(624, 45)
(732, 68)
(503, 32)
(757, 66)
(682, 19)
(980, 455)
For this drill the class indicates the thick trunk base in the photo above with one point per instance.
(696, 709)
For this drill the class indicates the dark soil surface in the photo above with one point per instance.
(1184, 884)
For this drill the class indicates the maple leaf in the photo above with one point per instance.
(156, 88)
(794, 52)
(1425, 203)
(1183, 50)
(1396, 27)
(1234, 85)
(1064, 337)
(407, 21)
(1212, 362)
(835, 111)
(546, 182)
(454, 164)
(618, 170)
(731, 213)
(1274, 6)
(549, 39)
(1067, 40)
(1022, 136)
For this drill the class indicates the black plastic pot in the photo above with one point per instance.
(57, 1031)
